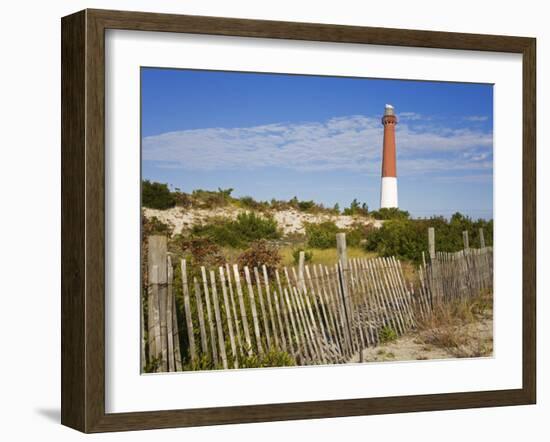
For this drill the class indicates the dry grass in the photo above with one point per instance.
(410, 271)
(459, 328)
(325, 256)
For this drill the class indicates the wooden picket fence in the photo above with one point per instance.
(316, 314)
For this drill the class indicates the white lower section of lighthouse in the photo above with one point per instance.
(388, 194)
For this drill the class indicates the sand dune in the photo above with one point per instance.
(289, 221)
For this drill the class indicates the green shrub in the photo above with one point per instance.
(154, 226)
(358, 233)
(387, 334)
(406, 238)
(208, 199)
(273, 358)
(390, 213)
(305, 206)
(250, 203)
(357, 208)
(248, 227)
(252, 227)
(322, 235)
(156, 195)
(308, 255)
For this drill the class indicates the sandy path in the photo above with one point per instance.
(478, 338)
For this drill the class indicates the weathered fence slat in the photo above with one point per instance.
(187, 311)
(200, 310)
(262, 308)
(210, 317)
(272, 321)
(243, 309)
(219, 324)
(234, 310)
(229, 317)
(255, 321)
(169, 319)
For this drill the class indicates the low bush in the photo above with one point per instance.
(407, 238)
(306, 206)
(239, 233)
(258, 254)
(321, 235)
(358, 233)
(357, 208)
(250, 203)
(202, 251)
(154, 226)
(273, 358)
(156, 195)
(308, 255)
(387, 334)
(390, 213)
(208, 199)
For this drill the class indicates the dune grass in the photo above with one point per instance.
(324, 256)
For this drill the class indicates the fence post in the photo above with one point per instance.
(143, 361)
(431, 242)
(301, 263)
(156, 266)
(187, 309)
(169, 319)
(466, 240)
(435, 283)
(481, 238)
(344, 285)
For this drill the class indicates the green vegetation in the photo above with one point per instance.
(156, 195)
(159, 196)
(356, 208)
(390, 213)
(308, 255)
(387, 334)
(154, 226)
(208, 199)
(273, 358)
(407, 239)
(248, 227)
(321, 235)
(323, 256)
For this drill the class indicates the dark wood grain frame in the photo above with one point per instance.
(83, 220)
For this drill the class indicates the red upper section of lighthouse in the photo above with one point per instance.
(389, 163)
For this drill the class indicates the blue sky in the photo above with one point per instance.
(279, 136)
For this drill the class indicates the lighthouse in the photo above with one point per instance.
(388, 188)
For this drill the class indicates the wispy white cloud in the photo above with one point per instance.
(476, 118)
(413, 116)
(345, 143)
(470, 178)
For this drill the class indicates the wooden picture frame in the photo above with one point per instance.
(83, 220)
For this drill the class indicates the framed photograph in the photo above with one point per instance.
(268, 220)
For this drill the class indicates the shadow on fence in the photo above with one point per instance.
(233, 317)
